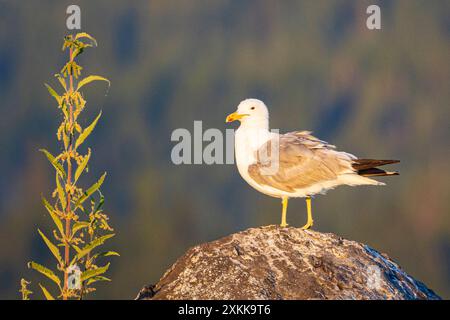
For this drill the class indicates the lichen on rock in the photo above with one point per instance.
(285, 263)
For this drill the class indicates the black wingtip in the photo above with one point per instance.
(375, 172)
(363, 164)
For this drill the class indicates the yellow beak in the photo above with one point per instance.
(235, 116)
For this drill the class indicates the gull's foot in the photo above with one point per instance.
(308, 225)
(284, 225)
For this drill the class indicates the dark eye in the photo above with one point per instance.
(252, 108)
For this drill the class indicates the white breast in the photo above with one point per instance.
(247, 143)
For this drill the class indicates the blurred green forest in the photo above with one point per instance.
(382, 94)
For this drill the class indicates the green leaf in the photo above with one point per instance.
(94, 272)
(100, 202)
(54, 216)
(97, 278)
(91, 190)
(82, 165)
(89, 79)
(66, 137)
(45, 271)
(58, 166)
(61, 81)
(85, 35)
(61, 194)
(109, 253)
(54, 94)
(77, 249)
(79, 225)
(87, 131)
(105, 254)
(54, 249)
(80, 50)
(47, 294)
(89, 247)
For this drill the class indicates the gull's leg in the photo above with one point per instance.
(284, 202)
(309, 223)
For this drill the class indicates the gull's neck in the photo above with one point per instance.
(255, 124)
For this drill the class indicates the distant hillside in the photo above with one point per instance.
(373, 93)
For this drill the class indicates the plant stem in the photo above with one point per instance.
(68, 183)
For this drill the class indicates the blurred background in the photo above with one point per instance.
(382, 94)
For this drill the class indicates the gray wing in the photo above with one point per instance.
(304, 160)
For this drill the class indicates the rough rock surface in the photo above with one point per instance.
(285, 263)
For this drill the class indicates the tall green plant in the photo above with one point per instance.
(81, 226)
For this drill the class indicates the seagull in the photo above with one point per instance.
(294, 164)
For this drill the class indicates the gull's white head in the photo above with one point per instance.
(251, 113)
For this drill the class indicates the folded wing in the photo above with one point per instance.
(304, 161)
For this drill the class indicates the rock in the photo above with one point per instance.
(285, 263)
